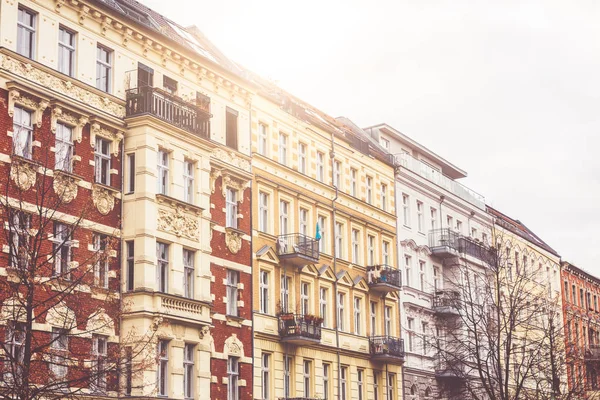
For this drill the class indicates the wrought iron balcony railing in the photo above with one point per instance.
(191, 117)
(446, 302)
(450, 370)
(387, 348)
(298, 249)
(384, 278)
(300, 329)
(449, 243)
(592, 352)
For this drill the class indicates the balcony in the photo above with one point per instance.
(384, 278)
(300, 329)
(298, 249)
(450, 371)
(592, 353)
(446, 243)
(191, 117)
(446, 303)
(387, 349)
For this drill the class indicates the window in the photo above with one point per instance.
(263, 212)
(302, 158)
(384, 197)
(130, 264)
(387, 315)
(449, 222)
(474, 235)
(303, 219)
(371, 249)
(233, 376)
(320, 166)
(344, 383)
(422, 275)
(433, 214)
(62, 250)
(411, 327)
(66, 51)
(573, 294)
(162, 266)
(287, 383)
(262, 139)
(407, 267)
(340, 314)
(26, 25)
(304, 298)
(22, 133)
(63, 154)
(284, 208)
(353, 175)
(357, 315)
(285, 293)
(233, 278)
(19, 224)
(337, 174)
(15, 342)
(322, 225)
(339, 240)
(581, 303)
(163, 172)
(60, 346)
(306, 378)
(169, 85)
(188, 371)
(131, 173)
(369, 190)
(323, 295)
(188, 181)
(101, 264)
(360, 376)
(374, 318)
(356, 246)
(231, 209)
(102, 161)
(436, 279)
(326, 385)
(231, 128)
(459, 226)
(385, 144)
(375, 385)
(390, 387)
(386, 253)
(100, 352)
(188, 273)
(128, 359)
(406, 210)
(420, 216)
(163, 367)
(424, 330)
(264, 291)
(266, 376)
(103, 68)
(283, 148)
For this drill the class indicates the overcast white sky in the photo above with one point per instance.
(507, 90)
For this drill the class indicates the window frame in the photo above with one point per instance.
(189, 273)
(20, 127)
(162, 266)
(283, 148)
(101, 266)
(188, 180)
(106, 65)
(70, 50)
(231, 208)
(233, 279)
(263, 283)
(102, 161)
(162, 372)
(162, 168)
(30, 30)
(262, 139)
(188, 370)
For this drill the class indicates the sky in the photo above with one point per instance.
(507, 90)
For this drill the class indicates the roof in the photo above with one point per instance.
(579, 271)
(517, 227)
(448, 169)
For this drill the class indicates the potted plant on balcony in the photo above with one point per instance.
(309, 317)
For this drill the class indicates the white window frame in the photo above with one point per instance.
(343, 382)
(385, 251)
(360, 376)
(283, 148)
(162, 166)
(356, 247)
(306, 377)
(323, 242)
(100, 351)
(18, 225)
(262, 139)
(162, 372)
(406, 210)
(30, 30)
(433, 213)
(62, 240)
(102, 160)
(104, 65)
(302, 147)
(67, 49)
(357, 315)
(410, 326)
(304, 298)
(22, 133)
(369, 185)
(422, 275)
(408, 269)
(353, 186)
(387, 317)
(373, 312)
(384, 197)
(375, 385)
(285, 284)
(323, 294)
(337, 174)
(264, 278)
(341, 314)
(320, 166)
(189, 273)
(339, 240)
(287, 381)
(63, 154)
(326, 380)
(420, 216)
(303, 221)
(263, 212)
(266, 376)
(233, 279)
(60, 350)
(188, 181)
(189, 379)
(284, 219)
(101, 264)
(231, 208)
(15, 342)
(162, 267)
(371, 249)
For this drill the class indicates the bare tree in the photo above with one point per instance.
(501, 327)
(59, 315)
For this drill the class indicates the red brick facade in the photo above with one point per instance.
(581, 295)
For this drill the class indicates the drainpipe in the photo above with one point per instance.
(471, 215)
(335, 282)
(398, 263)
(251, 235)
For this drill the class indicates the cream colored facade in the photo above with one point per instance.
(292, 191)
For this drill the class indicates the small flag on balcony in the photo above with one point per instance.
(318, 234)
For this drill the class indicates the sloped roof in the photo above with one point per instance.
(517, 227)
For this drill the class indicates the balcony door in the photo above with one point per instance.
(145, 76)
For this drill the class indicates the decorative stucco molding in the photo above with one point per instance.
(38, 107)
(99, 130)
(103, 199)
(77, 123)
(233, 240)
(65, 186)
(231, 158)
(23, 173)
(233, 347)
(178, 223)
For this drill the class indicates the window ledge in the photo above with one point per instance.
(172, 201)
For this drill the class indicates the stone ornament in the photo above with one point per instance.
(103, 199)
(77, 123)
(65, 87)
(233, 347)
(23, 173)
(178, 223)
(231, 158)
(233, 241)
(230, 182)
(15, 97)
(115, 137)
(65, 187)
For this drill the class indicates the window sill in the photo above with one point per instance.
(168, 200)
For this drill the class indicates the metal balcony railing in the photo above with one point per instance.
(384, 276)
(191, 117)
(592, 352)
(447, 242)
(298, 326)
(450, 370)
(386, 346)
(297, 244)
(446, 302)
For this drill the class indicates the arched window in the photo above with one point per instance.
(428, 391)
(413, 390)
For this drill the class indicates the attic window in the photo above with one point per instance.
(138, 15)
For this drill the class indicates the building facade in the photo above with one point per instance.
(436, 216)
(580, 292)
(325, 280)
